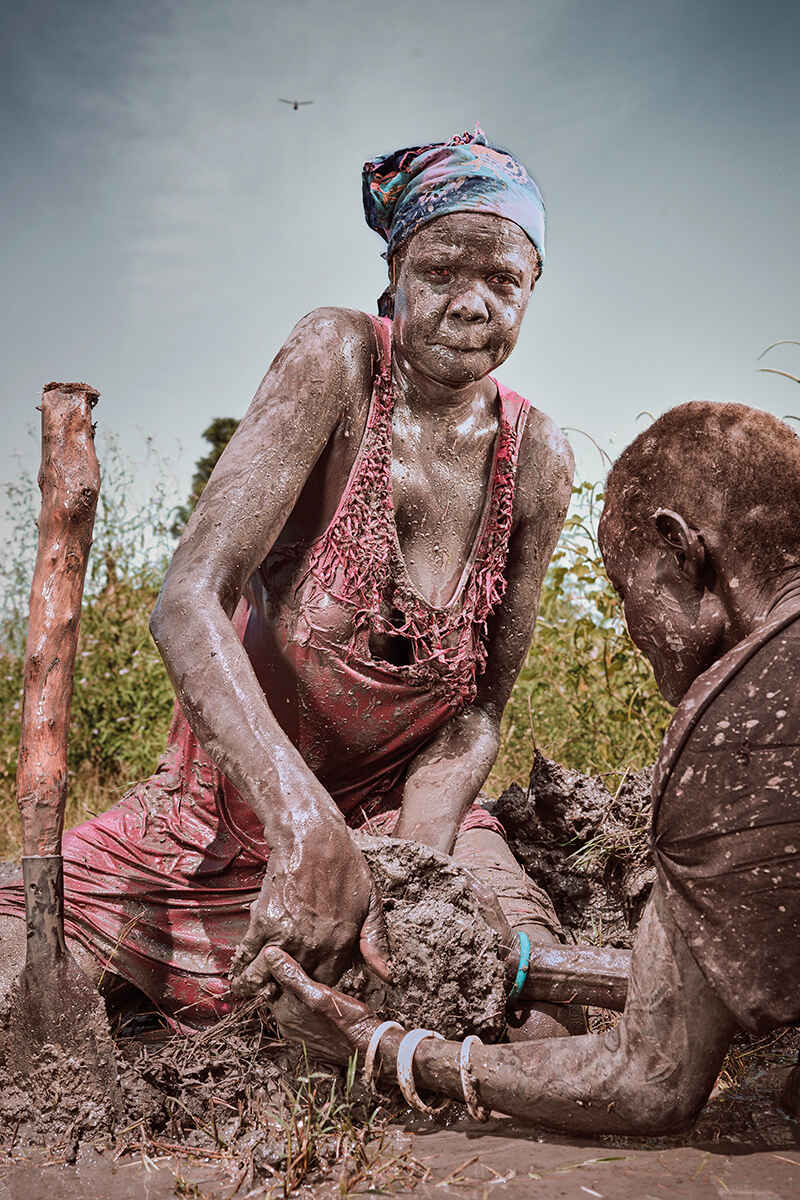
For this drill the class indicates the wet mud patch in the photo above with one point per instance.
(250, 1107)
(237, 1092)
(57, 1088)
(248, 1112)
(236, 1097)
(448, 966)
(586, 846)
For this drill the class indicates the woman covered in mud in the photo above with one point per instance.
(700, 538)
(343, 619)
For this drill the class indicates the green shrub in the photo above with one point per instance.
(122, 698)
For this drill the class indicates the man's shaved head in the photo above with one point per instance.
(726, 468)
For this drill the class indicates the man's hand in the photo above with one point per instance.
(331, 1024)
(316, 901)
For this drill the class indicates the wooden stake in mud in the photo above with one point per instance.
(69, 479)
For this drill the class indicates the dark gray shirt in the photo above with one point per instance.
(726, 824)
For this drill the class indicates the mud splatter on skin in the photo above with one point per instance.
(350, 724)
(283, 475)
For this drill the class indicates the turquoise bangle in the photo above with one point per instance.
(524, 963)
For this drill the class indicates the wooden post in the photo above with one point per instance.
(69, 479)
(53, 1003)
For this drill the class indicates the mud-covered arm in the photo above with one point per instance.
(649, 1075)
(246, 503)
(446, 776)
(243, 508)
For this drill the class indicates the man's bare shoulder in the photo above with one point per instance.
(546, 466)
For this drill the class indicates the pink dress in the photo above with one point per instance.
(159, 887)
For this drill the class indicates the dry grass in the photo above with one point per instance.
(242, 1098)
(748, 1055)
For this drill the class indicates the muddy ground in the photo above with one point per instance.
(235, 1111)
(234, 1088)
(477, 1162)
(586, 846)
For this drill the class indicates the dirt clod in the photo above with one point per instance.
(438, 937)
(587, 847)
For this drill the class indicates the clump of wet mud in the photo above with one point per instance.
(56, 1090)
(448, 965)
(587, 847)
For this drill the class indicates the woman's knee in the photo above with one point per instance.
(524, 903)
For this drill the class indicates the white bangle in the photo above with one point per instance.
(405, 1070)
(372, 1048)
(468, 1082)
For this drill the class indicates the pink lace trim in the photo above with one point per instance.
(356, 560)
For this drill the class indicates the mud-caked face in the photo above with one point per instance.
(668, 618)
(461, 291)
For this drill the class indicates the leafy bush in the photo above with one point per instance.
(122, 698)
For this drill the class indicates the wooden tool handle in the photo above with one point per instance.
(69, 479)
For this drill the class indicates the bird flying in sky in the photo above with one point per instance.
(295, 103)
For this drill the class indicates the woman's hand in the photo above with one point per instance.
(331, 1024)
(316, 901)
(495, 917)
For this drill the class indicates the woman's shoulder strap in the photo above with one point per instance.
(382, 328)
(514, 410)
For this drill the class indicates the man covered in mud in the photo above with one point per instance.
(700, 538)
(343, 619)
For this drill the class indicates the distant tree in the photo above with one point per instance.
(218, 434)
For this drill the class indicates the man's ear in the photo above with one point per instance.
(686, 544)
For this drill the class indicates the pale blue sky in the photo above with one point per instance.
(166, 220)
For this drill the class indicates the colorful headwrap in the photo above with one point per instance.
(404, 190)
